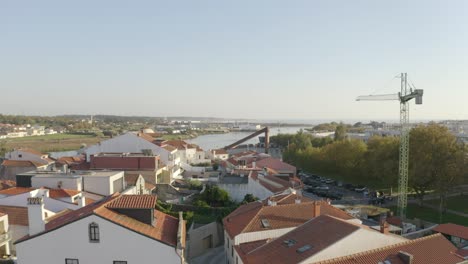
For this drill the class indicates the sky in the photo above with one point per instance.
(234, 59)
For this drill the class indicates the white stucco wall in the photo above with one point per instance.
(238, 191)
(116, 243)
(15, 155)
(102, 184)
(72, 183)
(128, 142)
(50, 204)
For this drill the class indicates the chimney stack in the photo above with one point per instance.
(82, 201)
(316, 208)
(36, 215)
(384, 227)
(406, 257)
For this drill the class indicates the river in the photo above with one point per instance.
(216, 141)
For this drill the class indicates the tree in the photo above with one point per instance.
(3, 148)
(340, 132)
(437, 160)
(215, 196)
(381, 159)
(248, 198)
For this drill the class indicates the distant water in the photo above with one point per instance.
(216, 141)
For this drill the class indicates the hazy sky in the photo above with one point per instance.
(239, 59)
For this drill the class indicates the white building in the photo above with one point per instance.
(27, 154)
(137, 143)
(119, 229)
(217, 154)
(13, 201)
(97, 182)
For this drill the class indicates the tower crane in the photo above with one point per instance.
(404, 96)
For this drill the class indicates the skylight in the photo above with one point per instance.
(289, 242)
(265, 223)
(303, 249)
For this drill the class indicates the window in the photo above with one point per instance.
(20, 155)
(120, 262)
(232, 251)
(93, 232)
(71, 261)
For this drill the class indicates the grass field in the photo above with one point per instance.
(56, 142)
(456, 203)
(431, 215)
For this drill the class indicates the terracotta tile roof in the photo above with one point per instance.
(169, 148)
(89, 201)
(245, 248)
(248, 218)
(146, 137)
(219, 151)
(453, 230)
(275, 164)
(288, 199)
(394, 220)
(164, 230)
(133, 202)
(316, 233)
(16, 190)
(463, 253)
(179, 144)
(22, 163)
(70, 160)
(236, 221)
(17, 215)
(6, 184)
(131, 179)
(150, 186)
(434, 249)
(60, 193)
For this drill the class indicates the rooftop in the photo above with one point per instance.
(164, 230)
(435, 249)
(453, 230)
(249, 217)
(302, 242)
(133, 202)
(72, 174)
(22, 163)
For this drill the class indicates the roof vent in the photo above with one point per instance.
(265, 223)
(303, 249)
(289, 242)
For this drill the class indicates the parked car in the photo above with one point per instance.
(322, 187)
(360, 188)
(329, 181)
